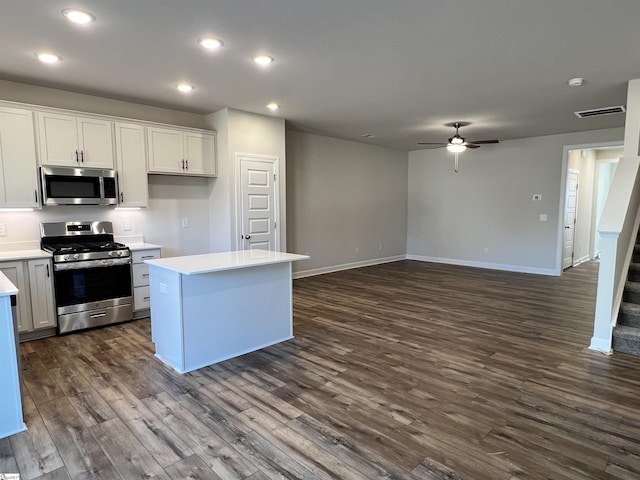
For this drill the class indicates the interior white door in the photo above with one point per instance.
(570, 209)
(258, 193)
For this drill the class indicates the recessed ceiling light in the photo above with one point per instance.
(185, 87)
(273, 106)
(263, 59)
(78, 16)
(46, 57)
(576, 82)
(210, 43)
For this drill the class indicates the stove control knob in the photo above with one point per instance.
(76, 256)
(111, 254)
(66, 257)
(119, 253)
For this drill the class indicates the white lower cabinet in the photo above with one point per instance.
(141, 296)
(35, 304)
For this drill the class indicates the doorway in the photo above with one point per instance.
(258, 202)
(594, 166)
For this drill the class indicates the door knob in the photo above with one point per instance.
(567, 227)
(247, 237)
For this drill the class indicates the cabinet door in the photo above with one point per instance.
(58, 139)
(166, 150)
(19, 172)
(131, 156)
(41, 286)
(95, 143)
(199, 153)
(15, 272)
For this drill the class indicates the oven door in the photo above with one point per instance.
(91, 281)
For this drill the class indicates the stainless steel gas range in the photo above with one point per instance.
(91, 274)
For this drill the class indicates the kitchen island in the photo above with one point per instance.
(11, 420)
(212, 307)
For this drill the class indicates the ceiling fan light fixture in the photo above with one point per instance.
(456, 147)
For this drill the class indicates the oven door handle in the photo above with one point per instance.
(104, 263)
(98, 315)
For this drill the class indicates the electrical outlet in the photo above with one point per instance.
(126, 226)
(486, 250)
(537, 197)
(185, 222)
(543, 217)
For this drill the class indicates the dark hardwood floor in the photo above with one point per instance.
(407, 370)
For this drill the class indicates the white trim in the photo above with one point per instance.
(347, 266)
(490, 266)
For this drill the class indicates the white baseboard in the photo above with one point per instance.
(601, 345)
(347, 266)
(491, 266)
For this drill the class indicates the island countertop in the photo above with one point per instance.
(217, 262)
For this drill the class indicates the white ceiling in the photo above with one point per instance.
(396, 69)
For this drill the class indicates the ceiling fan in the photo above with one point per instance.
(457, 143)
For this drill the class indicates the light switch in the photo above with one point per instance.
(185, 222)
(543, 217)
(537, 197)
(127, 225)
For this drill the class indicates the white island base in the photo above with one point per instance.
(209, 308)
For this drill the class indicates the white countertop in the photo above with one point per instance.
(216, 262)
(6, 287)
(142, 246)
(23, 255)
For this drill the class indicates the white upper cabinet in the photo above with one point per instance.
(131, 157)
(71, 140)
(19, 171)
(181, 152)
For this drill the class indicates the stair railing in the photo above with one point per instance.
(618, 229)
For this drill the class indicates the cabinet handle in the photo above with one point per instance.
(77, 160)
(147, 256)
(146, 298)
(186, 162)
(121, 197)
(182, 164)
(98, 315)
(35, 194)
(82, 156)
(48, 270)
(145, 275)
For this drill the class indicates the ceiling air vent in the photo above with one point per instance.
(598, 112)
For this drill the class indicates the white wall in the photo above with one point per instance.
(488, 205)
(242, 133)
(345, 200)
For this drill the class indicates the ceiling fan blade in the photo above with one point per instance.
(471, 145)
(484, 142)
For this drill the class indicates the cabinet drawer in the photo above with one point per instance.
(140, 274)
(140, 256)
(141, 298)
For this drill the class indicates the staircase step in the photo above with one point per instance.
(634, 272)
(631, 292)
(626, 339)
(629, 315)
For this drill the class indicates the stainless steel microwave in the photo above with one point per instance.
(78, 186)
